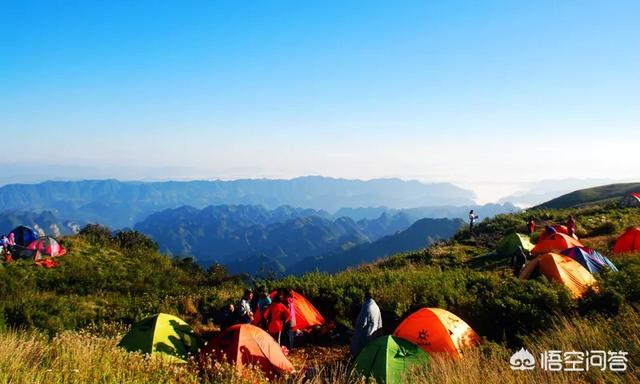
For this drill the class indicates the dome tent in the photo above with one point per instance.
(555, 243)
(592, 260)
(24, 235)
(244, 345)
(629, 241)
(164, 336)
(563, 269)
(47, 246)
(436, 330)
(388, 358)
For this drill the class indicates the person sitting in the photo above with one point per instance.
(229, 317)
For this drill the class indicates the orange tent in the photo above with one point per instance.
(559, 229)
(307, 316)
(628, 241)
(557, 242)
(437, 330)
(562, 269)
(246, 344)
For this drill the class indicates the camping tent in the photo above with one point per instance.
(512, 243)
(628, 241)
(592, 260)
(436, 330)
(246, 344)
(555, 243)
(19, 252)
(24, 235)
(559, 229)
(387, 358)
(307, 316)
(631, 200)
(47, 246)
(562, 269)
(164, 336)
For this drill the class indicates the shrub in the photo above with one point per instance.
(97, 234)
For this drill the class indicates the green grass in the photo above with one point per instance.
(604, 194)
(106, 283)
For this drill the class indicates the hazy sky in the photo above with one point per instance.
(485, 94)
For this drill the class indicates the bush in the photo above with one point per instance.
(97, 234)
(606, 228)
(134, 241)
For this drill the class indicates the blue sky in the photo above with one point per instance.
(484, 94)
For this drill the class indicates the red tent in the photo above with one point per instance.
(47, 246)
(246, 344)
(557, 242)
(436, 330)
(307, 316)
(559, 229)
(628, 241)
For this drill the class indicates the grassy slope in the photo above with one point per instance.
(97, 285)
(603, 194)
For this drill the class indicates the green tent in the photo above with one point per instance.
(510, 244)
(162, 335)
(387, 358)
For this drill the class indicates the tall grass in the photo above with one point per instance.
(621, 333)
(79, 357)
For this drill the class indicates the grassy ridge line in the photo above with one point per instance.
(602, 194)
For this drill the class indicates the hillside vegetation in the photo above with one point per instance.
(604, 194)
(108, 282)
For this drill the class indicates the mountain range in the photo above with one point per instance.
(229, 234)
(421, 234)
(121, 204)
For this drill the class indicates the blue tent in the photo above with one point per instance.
(592, 260)
(24, 235)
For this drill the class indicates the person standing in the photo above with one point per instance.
(290, 326)
(264, 299)
(571, 226)
(245, 315)
(276, 315)
(369, 320)
(472, 219)
(531, 225)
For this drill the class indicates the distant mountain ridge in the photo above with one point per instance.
(416, 213)
(421, 234)
(122, 204)
(232, 233)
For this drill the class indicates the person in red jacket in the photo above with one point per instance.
(276, 315)
(531, 225)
